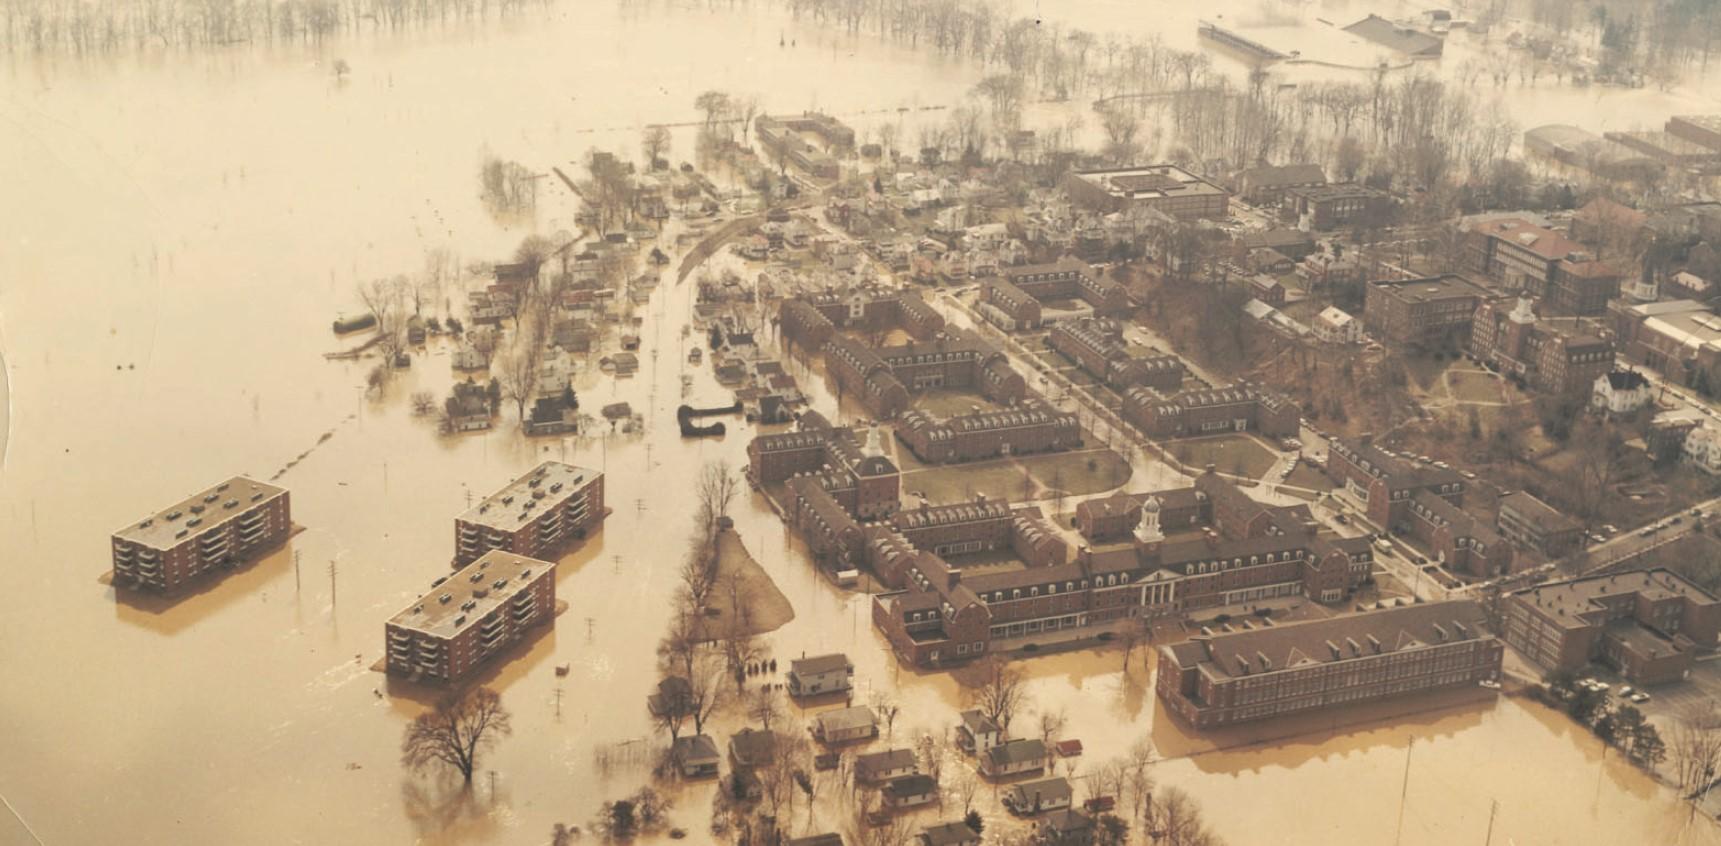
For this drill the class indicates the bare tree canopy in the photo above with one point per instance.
(455, 733)
(996, 688)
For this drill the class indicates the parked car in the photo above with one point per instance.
(1640, 696)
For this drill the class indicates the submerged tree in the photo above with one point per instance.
(455, 733)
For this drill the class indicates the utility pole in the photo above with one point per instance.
(296, 554)
(1404, 792)
(331, 584)
(1493, 808)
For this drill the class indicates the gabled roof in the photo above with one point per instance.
(819, 664)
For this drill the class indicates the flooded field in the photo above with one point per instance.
(176, 235)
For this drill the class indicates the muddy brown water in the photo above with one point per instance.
(176, 235)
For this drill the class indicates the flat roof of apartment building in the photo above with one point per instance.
(461, 600)
(525, 498)
(199, 512)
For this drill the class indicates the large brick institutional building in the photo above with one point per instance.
(1555, 355)
(940, 616)
(1220, 679)
(471, 616)
(1033, 427)
(1647, 624)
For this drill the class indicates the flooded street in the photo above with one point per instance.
(176, 235)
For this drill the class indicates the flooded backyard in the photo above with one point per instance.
(176, 235)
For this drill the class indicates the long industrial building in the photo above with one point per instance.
(537, 515)
(470, 616)
(224, 526)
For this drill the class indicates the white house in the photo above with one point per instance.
(1703, 449)
(1336, 326)
(977, 733)
(1033, 797)
(845, 724)
(820, 674)
(880, 767)
(1013, 757)
(911, 792)
(1621, 392)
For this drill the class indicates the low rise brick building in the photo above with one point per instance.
(1097, 346)
(1334, 206)
(1386, 483)
(1024, 429)
(1009, 307)
(1113, 518)
(1069, 279)
(1430, 312)
(1647, 624)
(1455, 539)
(1239, 408)
(225, 526)
(1535, 260)
(1533, 524)
(537, 515)
(1221, 679)
(469, 617)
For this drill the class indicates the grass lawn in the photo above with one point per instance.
(951, 403)
(767, 609)
(1307, 476)
(1020, 478)
(1475, 386)
(1236, 454)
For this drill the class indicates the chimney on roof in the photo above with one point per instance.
(955, 574)
(1266, 663)
(1365, 438)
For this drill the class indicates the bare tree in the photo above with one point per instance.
(385, 299)
(887, 709)
(1052, 725)
(455, 733)
(764, 705)
(1696, 748)
(717, 487)
(654, 142)
(517, 373)
(997, 689)
(1121, 125)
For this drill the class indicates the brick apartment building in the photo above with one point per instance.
(1221, 679)
(1069, 279)
(1029, 428)
(1167, 189)
(1009, 307)
(1647, 624)
(1531, 259)
(1435, 311)
(537, 515)
(1386, 483)
(1334, 206)
(470, 616)
(230, 524)
(1533, 524)
(942, 616)
(1457, 540)
(860, 373)
(1239, 408)
(1551, 355)
(809, 322)
(1097, 346)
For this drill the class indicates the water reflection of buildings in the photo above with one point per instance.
(1218, 680)
(224, 526)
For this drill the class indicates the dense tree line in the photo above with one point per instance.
(101, 26)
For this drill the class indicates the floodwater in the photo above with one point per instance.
(177, 235)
